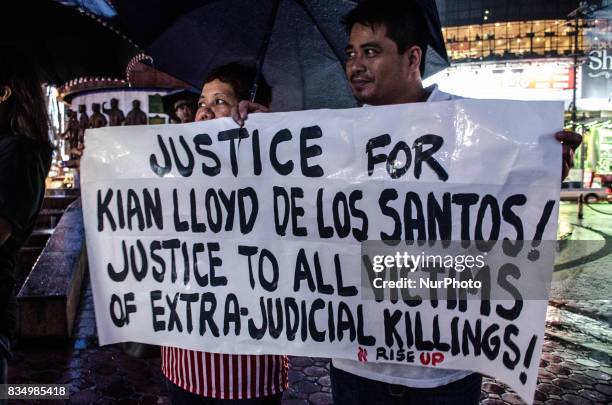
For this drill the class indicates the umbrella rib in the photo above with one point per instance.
(322, 31)
(264, 48)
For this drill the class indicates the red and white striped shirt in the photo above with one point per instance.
(225, 376)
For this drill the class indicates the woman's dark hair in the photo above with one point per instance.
(25, 108)
(404, 20)
(241, 78)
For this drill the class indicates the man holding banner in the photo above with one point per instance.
(385, 61)
(386, 58)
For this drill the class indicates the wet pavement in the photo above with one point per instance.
(575, 368)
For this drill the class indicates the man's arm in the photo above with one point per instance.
(570, 141)
(6, 229)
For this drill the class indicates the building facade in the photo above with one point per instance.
(524, 50)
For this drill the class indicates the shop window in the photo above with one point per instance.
(510, 39)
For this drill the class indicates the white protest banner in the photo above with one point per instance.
(209, 237)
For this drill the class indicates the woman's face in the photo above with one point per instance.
(216, 101)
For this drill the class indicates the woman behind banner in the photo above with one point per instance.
(25, 158)
(212, 378)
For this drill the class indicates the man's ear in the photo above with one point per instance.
(5, 93)
(414, 56)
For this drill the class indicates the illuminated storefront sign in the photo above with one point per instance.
(596, 74)
(545, 81)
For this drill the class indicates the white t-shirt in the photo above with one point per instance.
(410, 376)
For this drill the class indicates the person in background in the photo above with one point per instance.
(25, 159)
(225, 378)
(181, 105)
(184, 111)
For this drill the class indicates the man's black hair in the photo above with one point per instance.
(241, 78)
(404, 20)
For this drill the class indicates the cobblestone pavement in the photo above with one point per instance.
(589, 281)
(575, 368)
(568, 375)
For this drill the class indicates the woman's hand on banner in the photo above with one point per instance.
(241, 112)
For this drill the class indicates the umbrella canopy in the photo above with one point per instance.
(303, 59)
(436, 59)
(64, 42)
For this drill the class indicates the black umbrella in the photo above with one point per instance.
(64, 42)
(298, 43)
(436, 59)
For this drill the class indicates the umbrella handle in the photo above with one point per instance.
(264, 48)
